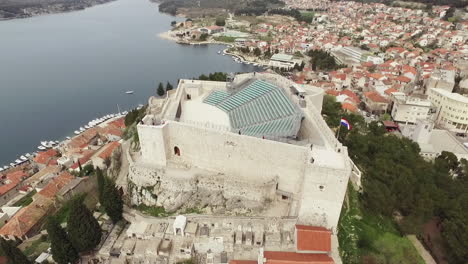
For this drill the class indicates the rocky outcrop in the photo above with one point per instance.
(211, 192)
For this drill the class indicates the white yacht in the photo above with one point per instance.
(76, 132)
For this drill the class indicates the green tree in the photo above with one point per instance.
(331, 109)
(12, 253)
(160, 90)
(169, 86)
(88, 170)
(203, 37)
(257, 52)
(267, 53)
(101, 181)
(220, 21)
(63, 251)
(83, 229)
(112, 201)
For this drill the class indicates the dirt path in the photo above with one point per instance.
(421, 250)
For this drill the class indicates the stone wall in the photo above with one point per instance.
(217, 192)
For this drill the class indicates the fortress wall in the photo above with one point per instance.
(235, 189)
(322, 206)
(248, 159)
(152, 140)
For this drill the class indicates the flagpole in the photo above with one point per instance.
(338, 134)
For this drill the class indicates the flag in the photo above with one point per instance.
(345, 123)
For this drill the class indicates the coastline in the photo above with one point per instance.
(236, 57)
(52, 9)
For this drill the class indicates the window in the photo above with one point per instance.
(176, 151)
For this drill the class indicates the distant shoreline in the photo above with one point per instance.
(34, 11)
(241, 59)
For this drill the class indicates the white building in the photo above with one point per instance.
(441, 79)
(253, 139)
(433, 141)
(452, 109)
(408, 109)
(284, 61)
(353, 56)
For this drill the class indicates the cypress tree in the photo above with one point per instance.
(112, 201)
(169, 86)
(160, 89)
(13, 254)
(83, 229)
(62, 249)
(100, 182)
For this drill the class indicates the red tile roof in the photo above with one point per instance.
(332, 92)
(311, 238)
(120, 123)
(54, 186)
(13, 179)
(375, 97)
(350, 107)
(84, 138)
(45, 156)
(403, 79)
(391, 90)
(277, 257)
(109, 149)
(86, 156)
(352, 95)
(27, 218)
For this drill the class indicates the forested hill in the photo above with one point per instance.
(172, 6)
(10, 9)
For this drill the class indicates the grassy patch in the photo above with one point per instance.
(192, 211)
(64, 211)
(36, 248)
(225, 39)
(26, 200)
(367, 238)
(157, 211)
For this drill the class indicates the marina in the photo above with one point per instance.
(45, 145)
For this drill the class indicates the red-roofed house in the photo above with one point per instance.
(11, 183)
(313, 246)
(104, 154)
(312, 239)
(54, 185)
(28, 221)
(43, 158)
(350, 108)
(375, 103)
(84, 160)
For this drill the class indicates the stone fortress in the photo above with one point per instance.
(242, 147)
